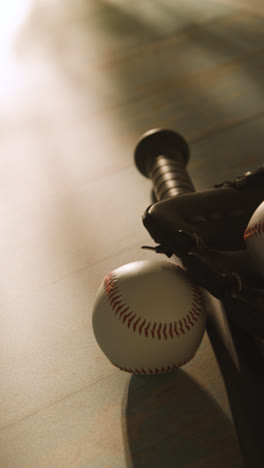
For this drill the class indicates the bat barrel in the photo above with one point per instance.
(162, 156)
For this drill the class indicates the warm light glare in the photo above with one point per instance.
(13, 16)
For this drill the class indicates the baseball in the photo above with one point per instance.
(148, 317)
(254, 238)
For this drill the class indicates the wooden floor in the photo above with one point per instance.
(80, 81)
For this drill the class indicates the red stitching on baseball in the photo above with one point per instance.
(116, 302)
(112, 295)
(119, 308)
(136, 323)
(195, 310)
(131, 320)
(189, 320)
(123, 311)
(126, 316)
(194, 317)
(181, 327)
(196, 298)
(141, 326)
(112, 284)
(155, 330)
(147, 329)
(154, 371)
(159, 330)
(186, 324)
(109, 279)
(110, 289)
(175, 329)
(254, 230)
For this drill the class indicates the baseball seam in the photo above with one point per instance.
(152, 371)
(159, 330)
(254, 230)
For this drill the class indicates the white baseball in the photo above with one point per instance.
(148, 318)
(254, 238)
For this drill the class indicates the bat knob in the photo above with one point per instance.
(160, 142)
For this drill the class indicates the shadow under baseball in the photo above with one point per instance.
(170, 421)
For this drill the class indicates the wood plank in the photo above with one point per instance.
(121, 421)
(255, 6)
(194, 81)
(227, 154)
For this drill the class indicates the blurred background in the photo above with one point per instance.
(80, 81)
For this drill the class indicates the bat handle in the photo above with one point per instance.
(162, 155)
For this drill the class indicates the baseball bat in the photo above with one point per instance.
(162, 156)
